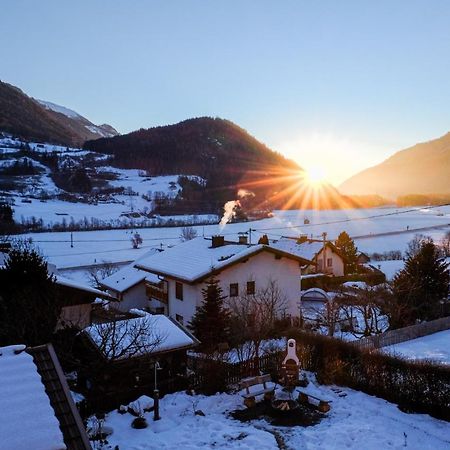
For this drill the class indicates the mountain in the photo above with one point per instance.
(421, 169)
(81, 126)
(227, 156)
(30, 119)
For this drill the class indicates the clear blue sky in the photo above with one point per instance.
(338, 83)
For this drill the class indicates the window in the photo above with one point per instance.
(250, 287)
(234, 289)
(319, 264)
(179, 290)
(329, 262)
(179, 318)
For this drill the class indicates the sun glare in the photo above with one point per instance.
(316, 175)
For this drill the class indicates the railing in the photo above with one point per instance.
(404, 334)
(157, 293)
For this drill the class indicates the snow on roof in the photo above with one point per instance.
(127, 277)
(389, 268)
(29, 420)
(307, 250)
(196, 258)
(63, 281)
(159, 334)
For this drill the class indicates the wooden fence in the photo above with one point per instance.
(235, 372)
(404, 334)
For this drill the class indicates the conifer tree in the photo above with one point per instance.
(29, 309)
(211, 322)
(421, 285)
(347, 248)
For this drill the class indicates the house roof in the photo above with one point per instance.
(195, 260)
(308, 249)
(55, 383)
(161, 335)
(63, 281)
(35, 403)
(127, 277)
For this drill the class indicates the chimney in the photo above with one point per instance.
(243, 238)
(302, 239)
(218, 241)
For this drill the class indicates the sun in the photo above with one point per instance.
(316, 175)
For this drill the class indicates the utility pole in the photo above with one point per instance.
(324, 258)
(156, 415)
(71, 240)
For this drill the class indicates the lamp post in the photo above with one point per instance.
(156, 415)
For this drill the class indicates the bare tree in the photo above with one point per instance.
(188, 233)
(97, 273)
(123, 339)
(254, 316)
(366, 307)
(415, 244)
(325, 316)
(445, 245)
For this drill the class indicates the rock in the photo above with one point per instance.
(199, 412)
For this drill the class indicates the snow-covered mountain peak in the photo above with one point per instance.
(59, 109)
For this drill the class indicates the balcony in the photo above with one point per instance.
(158, 292)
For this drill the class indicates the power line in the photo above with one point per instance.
(346, 220)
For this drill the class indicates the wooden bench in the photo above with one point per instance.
(249, 397)
(319, 404)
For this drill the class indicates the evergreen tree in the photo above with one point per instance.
(211, 322)
(29, 309)
(420, 286)
(348, 250)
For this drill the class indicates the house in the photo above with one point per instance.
(363, 258)
(127, 351)
(77, 300)
(324, 255)
(38, 410)
(175, 278)
(75, 297)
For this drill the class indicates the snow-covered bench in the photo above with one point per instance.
(319, 404)
(250, 396)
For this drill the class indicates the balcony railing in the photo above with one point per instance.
(158, 293)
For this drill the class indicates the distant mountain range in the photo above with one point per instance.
(225, 155)
(232, 164)
(38, 120)
(421, 169)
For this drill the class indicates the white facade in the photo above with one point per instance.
(330, 262)
(259, 265)
(260, 268)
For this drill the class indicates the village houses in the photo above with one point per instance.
(171, 282)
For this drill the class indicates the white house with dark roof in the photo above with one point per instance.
(175, 278)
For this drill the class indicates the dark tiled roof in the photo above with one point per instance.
(58, 392)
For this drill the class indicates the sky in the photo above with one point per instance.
(335, 85)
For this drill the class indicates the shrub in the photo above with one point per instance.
(416, 386)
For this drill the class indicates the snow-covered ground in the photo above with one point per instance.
(389, 268)
(434, 347)
(356, 421)
(114, 245)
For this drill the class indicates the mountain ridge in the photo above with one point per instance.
(423, 168)
(39, 120)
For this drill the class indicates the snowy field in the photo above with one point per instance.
(92, 247)
(435, 347)
(356, 422)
